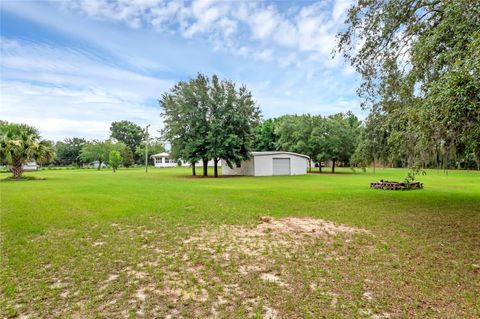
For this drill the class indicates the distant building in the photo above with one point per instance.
(94, 164)
(30, 166)
(164, 160)
(269, 164)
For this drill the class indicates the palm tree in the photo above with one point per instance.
(19, 144)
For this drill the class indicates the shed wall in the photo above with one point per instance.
(264, 164)
(246, 168)
(299, 165)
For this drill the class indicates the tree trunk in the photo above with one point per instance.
(310, 165)
(205, 167)
(194, 173)
(99, 165)
(333, 166)
(215, 167)
(17, 168)
(319, 167)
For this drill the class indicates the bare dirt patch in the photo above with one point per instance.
(268, 232)
(272, 278)
(251, 255)
(305, 225)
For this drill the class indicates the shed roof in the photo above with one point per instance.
(266, 153)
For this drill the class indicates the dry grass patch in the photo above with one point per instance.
(304, 226)
(251, 255)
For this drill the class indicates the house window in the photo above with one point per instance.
(239, 165)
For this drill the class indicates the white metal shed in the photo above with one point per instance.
(270, 163)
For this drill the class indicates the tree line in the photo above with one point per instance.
(126, 138)
(209, 119)
(323, 138)
(21, 143)
(420, 65)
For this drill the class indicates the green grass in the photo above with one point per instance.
(83, 243)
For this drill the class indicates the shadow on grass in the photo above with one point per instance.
(336, 173)
(23, 178)
(210, 176)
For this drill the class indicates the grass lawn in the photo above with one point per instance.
(83, 243)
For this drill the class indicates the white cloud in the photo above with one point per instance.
(311, 29)
(60, 112)
(264, 55)
(286, 34)
(205, 14)
(28, 61)
(228, 26)
(340, 8)
(288, 60)
(243, 51)
(57, 90)
(263, 22)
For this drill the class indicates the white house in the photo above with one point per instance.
(30, 166)
(94, 164)
(163, 160)
(270, 163)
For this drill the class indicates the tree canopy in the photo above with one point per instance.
(185, 119)
(294, 133)
(114, 160)
(128, 133)
(420, 64)
(127, 157)
(209, 119)
(99, 151)
(338, 140)
(155, 146)
(322, 138)
(266, 138)
(68, 151)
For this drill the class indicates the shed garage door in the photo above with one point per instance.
(281, 166)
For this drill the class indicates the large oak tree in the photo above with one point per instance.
(209, 119)
(420, 64)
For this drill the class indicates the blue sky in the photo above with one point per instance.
(71, 68)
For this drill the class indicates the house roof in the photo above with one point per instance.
(278, 153)
(161, 155)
